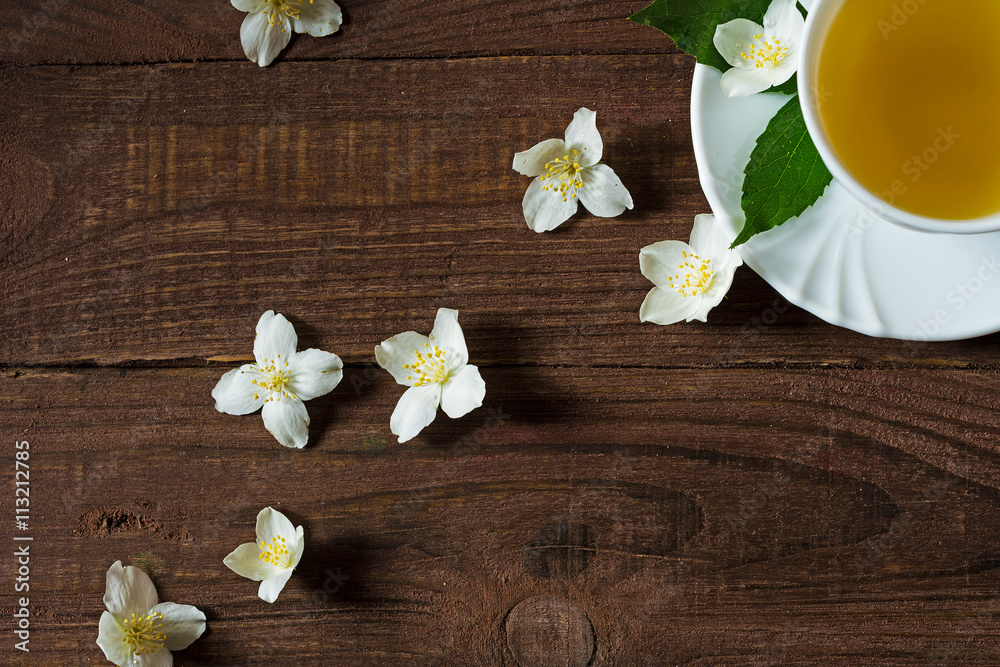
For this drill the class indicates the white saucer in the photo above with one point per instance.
(836, 260)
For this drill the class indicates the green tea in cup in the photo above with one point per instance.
(908, 95)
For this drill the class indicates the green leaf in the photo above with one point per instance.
(785, 175)
(790, 87)
(692, 23)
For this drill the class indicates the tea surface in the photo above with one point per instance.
(910, 99)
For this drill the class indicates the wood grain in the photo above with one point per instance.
(145, 31)
(763, 490)
(549, 631)
(133, 222)
(834, 514)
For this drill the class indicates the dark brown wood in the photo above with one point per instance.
(144, 31)
(357, 211)
(730, 516)
(546, 631)
(762, 490)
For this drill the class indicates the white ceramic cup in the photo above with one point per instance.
(811, 95)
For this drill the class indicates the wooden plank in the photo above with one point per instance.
(144, 31)
(156, 212)
(690, 516)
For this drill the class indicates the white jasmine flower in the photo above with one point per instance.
(279, 382)
(690, 279)
(761, 56)
(267, 29)
(568, 173)
(436, 370)
(135, 630)
(272, 558)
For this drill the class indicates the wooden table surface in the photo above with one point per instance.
(766, 489)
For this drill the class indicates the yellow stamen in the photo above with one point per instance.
(143, 634)
(276, 381)
(567, 172)
(275, 10)
(765, 54)
(695, 275)
(429, 369)
(275, 552)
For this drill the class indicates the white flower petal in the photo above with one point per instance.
(532, 161)
(269, 588)
(463, 392)
(661, 261)
(271, 523)
(667, 306)
(235, 393)
(318, 18)
(262, 42)
(245, 561)
(742, 82)
(248, 5)
(707, 238)
(784, 21)
(603, 193)
(161, 657)
(314, 373)
(182, 624)
(447, 335)
(734, 38)
(582, 135)
(395, 353)
(287, 420)
(416, 408)
(275, 340)
(110, 638)
(722, 280)
(299, 547)
(728, 263)
(710, 242)
(128, 591)
(786, 67)
(544, 210)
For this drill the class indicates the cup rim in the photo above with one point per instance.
(817, 24)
